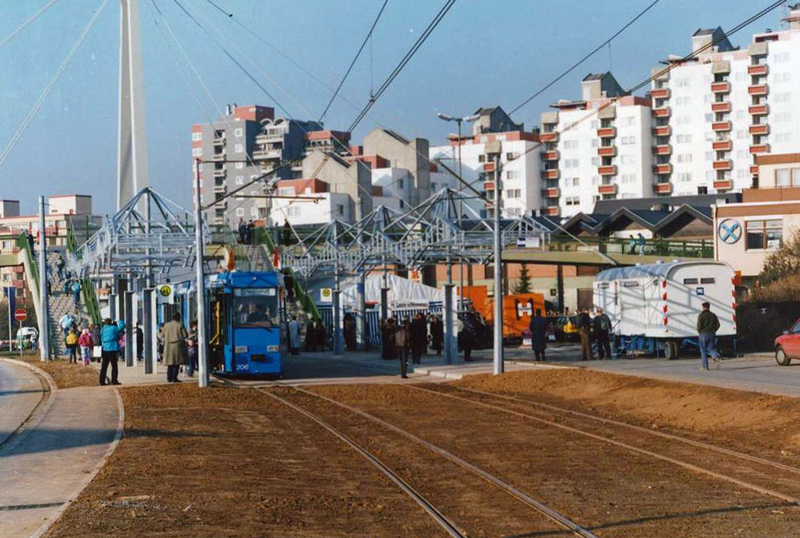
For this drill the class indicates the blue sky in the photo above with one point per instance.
(484, 53)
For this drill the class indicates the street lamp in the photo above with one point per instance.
(459, 121)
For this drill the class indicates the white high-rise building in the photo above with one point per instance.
(593, 150)
(715, 113)
(520, 164)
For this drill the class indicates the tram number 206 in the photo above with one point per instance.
(242, 367)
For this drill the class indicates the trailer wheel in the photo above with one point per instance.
(781, 357)
(671, 350)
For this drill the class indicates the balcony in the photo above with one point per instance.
(218, 156)
(663, 149)
(722, 145)
(548, 137)
(552, 211)
(607, 189)
(219, 141)
(663, 188)
(661, 93)
(759, 110)
(662, 169)
(220, 189)
(220, 172)
(610, 170)
(550, 155)
(723, 165)
(607, 132)
(607, 151)
(723, 184)
(488, 186)
(760, 148)
(721, 126)
(758, 70)
(267, 154)
(271, 138)
(761, 129)
(488, 167)
(754, 170)
(552, 192)
(551, 174)
(723, 107)
(662, 112)
(721, 87)
(760, 89)
(662, 130)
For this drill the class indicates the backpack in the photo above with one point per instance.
(72, 339)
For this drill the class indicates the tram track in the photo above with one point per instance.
(542, 510)
(793, 499)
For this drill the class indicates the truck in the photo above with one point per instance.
(653, 308)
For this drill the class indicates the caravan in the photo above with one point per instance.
(654, 308)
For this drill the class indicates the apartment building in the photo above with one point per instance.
(244, 144)
(713, 115)
(519, 164)
(595, 150)
(411, 155)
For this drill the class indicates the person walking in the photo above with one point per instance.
(641, 242)
(66, 323)
(72, 346)
(60, 266)
(469, 335)
(175, 336)
(294, 336)
(437, 335)
(401, 345)
(191, 350)
(87, 344)
(707, 327)
(632, 244)
(584, 323)
(602, 334)
(538, 327)
(109, 338)
(76, 292)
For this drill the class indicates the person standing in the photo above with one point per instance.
(109, 338)
(632, 244)
(419, 338)
(320, 336)
(97, 352)
(287, 233)
(584, 323)
(251, 232)
(191, 350)
(310, 335)
(602, 334)
(294, 336)
(139, 342)
(437, 335)
(175, 336)
(401, 344)
(469, 335)
(538, 327)
(707, 327)
(72, 346)
(86, 343)
(242, 229)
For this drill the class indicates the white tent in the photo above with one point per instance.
(403, 293)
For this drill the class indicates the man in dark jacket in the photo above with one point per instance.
(584, 322)
(707, 327)
(602, 334)
(437, 334)
(419, 338)
(538, 329)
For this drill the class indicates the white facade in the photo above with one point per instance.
(397, 185)
(520, 167)
(328, 206)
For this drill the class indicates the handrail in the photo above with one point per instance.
(90, 299)
(697, 248)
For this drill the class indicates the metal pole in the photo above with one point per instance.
(498, 274)
(460, 217)
(127, 299)
(202, 349)
(44, 310)
(449, 326)
(337, 306)
(147, 329)
(361, 318)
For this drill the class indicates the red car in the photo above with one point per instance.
(787, 345)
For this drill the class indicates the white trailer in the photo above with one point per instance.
(655, 307)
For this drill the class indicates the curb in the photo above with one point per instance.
(38, 412)
(89, 477)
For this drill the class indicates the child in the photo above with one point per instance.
(87, 344)
(72, 346)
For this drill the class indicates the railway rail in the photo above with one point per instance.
(540, 508)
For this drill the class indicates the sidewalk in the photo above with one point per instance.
(44, 468)
(21, 392)
(134, 375)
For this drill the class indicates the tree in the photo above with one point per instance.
(523, 283)
(782, 263)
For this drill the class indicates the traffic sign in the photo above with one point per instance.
(20, 314)
(165, 293)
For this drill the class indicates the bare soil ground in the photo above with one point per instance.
(234, 462)
(65, 375)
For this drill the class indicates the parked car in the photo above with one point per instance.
(27, 337)
(564, 328)
(787, 345)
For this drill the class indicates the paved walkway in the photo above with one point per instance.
(46, 465)
(21, 391)
(134, 375)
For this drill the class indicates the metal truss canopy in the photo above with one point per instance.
(149, 235)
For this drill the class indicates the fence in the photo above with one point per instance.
(617, 245)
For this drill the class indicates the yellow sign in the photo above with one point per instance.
(165, 293)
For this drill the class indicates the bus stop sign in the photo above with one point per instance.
(165, 294)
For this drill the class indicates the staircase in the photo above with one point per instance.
(61, 302)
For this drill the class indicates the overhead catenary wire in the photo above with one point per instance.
(577, 64)
(47, 89)
(27, 23)
(368, 38)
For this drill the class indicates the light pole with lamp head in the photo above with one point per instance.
(460, 208)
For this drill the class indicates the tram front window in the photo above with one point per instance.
(256, 307)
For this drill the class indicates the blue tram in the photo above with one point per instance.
(247, 331)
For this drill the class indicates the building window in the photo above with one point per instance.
(513, 174)
(509, 156)
(196, 137)
(239, 166)
(685, 177)
(286, 191)
(595, 161)
(629, 178)
(238, 148)
(571, 163)
(240, 212)
(240, 180)
(570, 144)
(782, 177)
(433, 186)
(683, 138)
(573, 200)
(197, 152)
(254, 211)
(764, 234)
(340, 209)
(400, 183)
(238, 132)
(685, 158)
(481, 158)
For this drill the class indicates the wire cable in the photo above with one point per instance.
(46, 92)
(586, 57)
(355, 59)
(25, 24)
